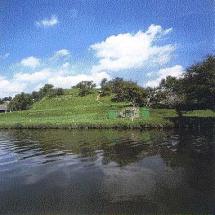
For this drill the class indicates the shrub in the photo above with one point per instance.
(56, 92)
(86, 87)
(21, 101)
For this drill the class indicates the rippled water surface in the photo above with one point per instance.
(62, 172)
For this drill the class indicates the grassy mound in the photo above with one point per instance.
(73, 111)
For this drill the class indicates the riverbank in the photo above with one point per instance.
(72, 112)
(159, 118)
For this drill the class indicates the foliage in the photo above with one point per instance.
(131, 92)
(105, 88)
(46, 90)
(24, 101)
(86, 87)
(36, 96)
(195, 90)
(43, 92)
(155, 97)
(56, 92)
(199, 85)
(169, 93)
(124, 91)
(21, 101)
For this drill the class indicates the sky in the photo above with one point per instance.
(63, 42)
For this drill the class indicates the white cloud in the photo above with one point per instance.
(48, 22)
(34, 77)
(27, 82)
(66, 65)
(133, 51)
(117, 53)
(10, 87)
(61, 53)
(32, 62)
(175, 71)
(53, 70)
(66, 81)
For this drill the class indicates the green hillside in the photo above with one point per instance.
(71, 110)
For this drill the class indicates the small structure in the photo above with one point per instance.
(3, 108)
(130, 112)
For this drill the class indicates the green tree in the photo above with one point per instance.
(155, 97)
(86, 87)
(169, 92)
(105, 88)
(127, 91)
(35, 96)
(199, 85)
(20, 102)
(45, 90)
(56, 92)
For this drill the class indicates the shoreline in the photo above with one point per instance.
(168, 123)
(82, 126)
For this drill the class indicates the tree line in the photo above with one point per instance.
(24, 101)
(194, 90)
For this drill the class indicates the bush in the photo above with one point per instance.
(56, 92)
(105, 88)
(21, 101)
(86, 87)
(124, 91)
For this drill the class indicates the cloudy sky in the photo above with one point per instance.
(62, 42)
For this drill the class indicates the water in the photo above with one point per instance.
(62, 172)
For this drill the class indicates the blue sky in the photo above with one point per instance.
(64, 41)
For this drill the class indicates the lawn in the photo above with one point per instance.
(73, 111)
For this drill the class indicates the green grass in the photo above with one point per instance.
(73, 111)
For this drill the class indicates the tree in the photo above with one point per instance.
(20, 102)
(169, 92)
(116, 84)
(127, 91)
(56, 92)
(86, 87)
(35, 96)
(199, 85)
(155, 97)
(105, 88)
(104, 82)
(135, 94)
(45, 90)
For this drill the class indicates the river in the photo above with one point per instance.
(89, 172)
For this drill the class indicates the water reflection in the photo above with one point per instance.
(107, 172)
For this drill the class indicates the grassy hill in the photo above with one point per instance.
(73, 111)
